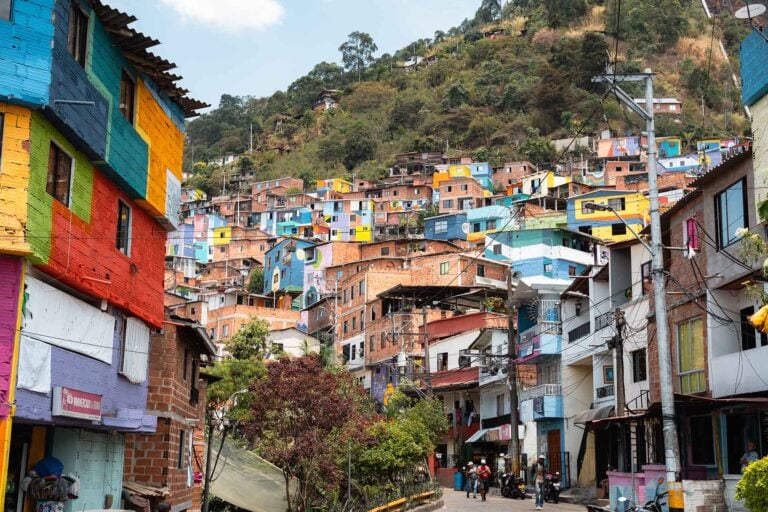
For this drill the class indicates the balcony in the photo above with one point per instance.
(541, 403)
(543, 339)
(603, 320)
(604, 392)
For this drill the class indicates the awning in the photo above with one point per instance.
(597, 413)
(477, 436)
(247, 481)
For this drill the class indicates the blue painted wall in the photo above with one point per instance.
(454, 232)
(754, 68)
(25, 53)
(86, 374)
(291, 268)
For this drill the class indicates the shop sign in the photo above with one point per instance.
(76, 404)
(506, 432)
(493, 434)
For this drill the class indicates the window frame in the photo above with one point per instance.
(480, 270)
(441, 226)
(618, 229)
(77, 34)
(445, 267)
(698, 372)
(124, 231)
(56, 151)
(732, 238)
(10, 14)
(128, 93)
(639, 365)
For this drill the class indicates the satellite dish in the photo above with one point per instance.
(465, 227)
(749, 11)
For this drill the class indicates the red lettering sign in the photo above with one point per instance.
(76, 404)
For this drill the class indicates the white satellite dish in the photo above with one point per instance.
(749, 11)
(465, 227)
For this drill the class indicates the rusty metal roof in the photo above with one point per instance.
(134, 45)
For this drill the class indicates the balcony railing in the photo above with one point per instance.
(540, 328)
(604, 391)
(541, 390)
(603, 320)
(579, 332)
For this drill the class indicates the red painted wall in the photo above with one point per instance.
(83, 255)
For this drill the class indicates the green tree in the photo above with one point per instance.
(256, 281)
(489, 11)
(564, 12)
(753, 486)
(642, 27)
(455, 96)
(233, 376)
(359, 144)
(537, 149)
(250, 341)
(357, 52)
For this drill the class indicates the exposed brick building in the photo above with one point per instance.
(176, 396)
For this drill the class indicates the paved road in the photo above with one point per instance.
(457, 501)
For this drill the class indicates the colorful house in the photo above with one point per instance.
(481, 172)
(284, 266)
(338, 185)
(349, 220)
(485, 220)
(449, 226)
(91, 136)
(633, 208)
(538, 184)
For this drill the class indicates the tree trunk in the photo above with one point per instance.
(287, 491)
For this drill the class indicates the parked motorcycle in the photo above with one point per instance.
(551, 488)
(512, 487)
(654, 505)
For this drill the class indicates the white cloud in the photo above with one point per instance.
(230, 14)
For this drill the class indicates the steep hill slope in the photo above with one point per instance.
(497, 87)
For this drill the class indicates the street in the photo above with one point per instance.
(458, 501)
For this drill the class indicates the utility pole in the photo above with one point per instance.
(669, 427)
(618, 345)
(250, 146)
(208, 456)
(427, 361)
(513, 450)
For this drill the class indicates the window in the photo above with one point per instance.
(464, 187)
(448, 203)
(571, 270)
(639, 369)
(566, 242)
(672, 108)
(442, 361)
(362, 320)
(385, 251)
(5, 9)
(123, 240)
(444, 267)
(499, 404)
(383, 340)
(441, 226)
(77, 41)
(345, 327)
(702, 451)
(127, 96)
(354, 323)
(373, 314)
(481, 271)
(490, 225)
(449, 188)
(497, 249)
(749, 335)
(646, 277)
(309, 254)
(180, 462)
(690, 347)
(194, 393)
(618, 203)
(344, 297)
(618, 229)
(213, 336)
(352, 292)
(225, 330)
(731, 212)
(585, 210)
(372, 343)
(361, 287)
(547, 267)
(476, 227)
(352, 217)
(59, 174)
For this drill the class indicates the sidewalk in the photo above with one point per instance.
(457, 501)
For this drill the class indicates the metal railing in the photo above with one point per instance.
(540, 328)
(603, 320)
(449, 460)
(541, 390)
(579, 332)
(604, 391)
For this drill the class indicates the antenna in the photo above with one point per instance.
(749, 11)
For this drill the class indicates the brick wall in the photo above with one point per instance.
(235, 316)
(14, 178)
(153, 459)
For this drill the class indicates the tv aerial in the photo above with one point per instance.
(750, 12)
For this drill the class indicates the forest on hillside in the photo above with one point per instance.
(499, 86)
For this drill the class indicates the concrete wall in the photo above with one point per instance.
(11, 275)
(14, 176)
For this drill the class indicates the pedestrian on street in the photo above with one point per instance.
(539, 470)
(484, 475)
(470, 475)
(501, 468)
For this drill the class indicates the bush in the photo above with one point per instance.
(753, 486)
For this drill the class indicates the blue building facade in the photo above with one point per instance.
(284, 266)
(451, 226)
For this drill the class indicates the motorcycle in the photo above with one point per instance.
(551, 489)
(512, 487)
(654, 505)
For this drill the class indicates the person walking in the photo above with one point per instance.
(470, 475)
(539, 470)
(484, 475)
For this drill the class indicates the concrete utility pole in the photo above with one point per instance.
(669, 427)
(619, 349)
(513, 448)
(427, 362)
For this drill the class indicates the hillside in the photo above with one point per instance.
(498, 87)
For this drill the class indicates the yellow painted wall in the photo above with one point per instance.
(222, 236)
(454, 171)
(636, 206)
(14, 179)
(335, 184)
(166, 145)
(760, 149)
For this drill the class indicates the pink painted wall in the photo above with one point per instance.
(10, 277)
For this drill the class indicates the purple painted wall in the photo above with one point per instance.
(10, 282)
(123, 404)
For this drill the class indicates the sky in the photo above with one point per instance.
(255, 47)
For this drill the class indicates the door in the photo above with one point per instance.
(553, 451)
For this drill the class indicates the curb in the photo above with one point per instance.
(429, 507)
